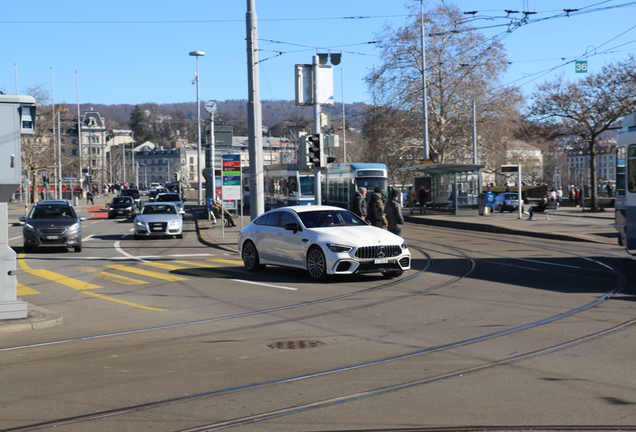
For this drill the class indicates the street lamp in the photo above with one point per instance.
(198, 54)
(168, 164)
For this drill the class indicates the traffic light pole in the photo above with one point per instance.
(317, 174)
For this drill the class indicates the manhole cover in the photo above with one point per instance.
(295, 344)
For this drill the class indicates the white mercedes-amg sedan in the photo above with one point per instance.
(323, 240)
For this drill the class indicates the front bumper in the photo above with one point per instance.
(366, 260)
(157, 229)
(38, 239)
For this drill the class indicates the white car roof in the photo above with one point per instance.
(308, 208)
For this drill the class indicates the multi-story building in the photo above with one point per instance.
(578, 165)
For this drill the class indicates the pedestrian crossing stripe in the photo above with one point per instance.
(187, 270)
(24, 290)
(97, 272)
(226, 261)
(139, 271)
(63, 280)
(123, 302)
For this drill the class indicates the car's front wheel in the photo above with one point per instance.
(250, 258)
(316, 263)
(77, 248)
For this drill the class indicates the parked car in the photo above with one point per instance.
(323, 240)
(507, 201)
(158, 219)
(172, 197)
(134, 193)
(121, 206)
(52, 225)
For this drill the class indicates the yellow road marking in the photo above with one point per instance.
(22, 262)
(147, 273)
(110, 276)
(63, 280)
(123, 302)
(186, 270)
(195, 263)
(25, 290)
(226, 261)
(120, 279)
(164, 266)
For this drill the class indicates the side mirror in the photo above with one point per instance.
(82, 218)
(135, 213)
(293, 226)
(22, 219)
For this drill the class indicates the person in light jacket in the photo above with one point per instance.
(394, 214)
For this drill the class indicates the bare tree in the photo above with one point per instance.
(462, 66)
(588, 108)
(38, 149)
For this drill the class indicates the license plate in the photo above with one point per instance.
(381, 261)
(120, 211)
(52, 237)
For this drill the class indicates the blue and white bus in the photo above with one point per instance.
(625, 204)
(284, 185)
(342, 180)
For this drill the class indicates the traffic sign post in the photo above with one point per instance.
(505, 169)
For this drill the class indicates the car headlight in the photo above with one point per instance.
(339, 248)
(74, 227)
(404, 246)
(29, 227)
(174, 223)
(128, 209)
(140, 223)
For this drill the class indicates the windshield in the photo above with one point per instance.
(122, 201)
(326, 218)
(158, 209)
(370, 183)
(168, 197)
(131, 193)
(53, 212)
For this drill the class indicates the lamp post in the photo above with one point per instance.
(168, 165)
(198, 54)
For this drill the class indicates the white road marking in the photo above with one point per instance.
(263, 284)
(123, 252)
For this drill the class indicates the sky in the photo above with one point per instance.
(137, 51)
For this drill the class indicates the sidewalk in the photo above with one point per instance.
(566, 223)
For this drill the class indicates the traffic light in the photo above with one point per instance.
(315, 150)
(302, 152)
(45, 178)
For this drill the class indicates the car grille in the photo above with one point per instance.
(158, 226)
(373, 252)
(52, 230)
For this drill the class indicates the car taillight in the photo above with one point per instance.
(504, 203)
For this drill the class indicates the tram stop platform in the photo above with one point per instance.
(566, 223)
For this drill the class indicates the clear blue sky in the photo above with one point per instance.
(136, 51)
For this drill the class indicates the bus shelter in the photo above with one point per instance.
(454, 188)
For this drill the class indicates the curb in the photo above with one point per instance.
(492, 229)
(37, 318)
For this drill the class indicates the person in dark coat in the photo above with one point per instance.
(358, 204)
(422, 197)
(374, 212)
(394, 214)
(89, 197)
(543, 204)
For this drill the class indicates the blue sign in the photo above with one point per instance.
(490, 199)
(231, 157)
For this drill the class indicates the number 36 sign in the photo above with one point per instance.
(581, 66)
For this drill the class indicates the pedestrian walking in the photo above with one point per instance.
(374, 212)
(422, 197)
(394, 215)
(358, 204)
(559, 194)
(89, 197)
(410, 198)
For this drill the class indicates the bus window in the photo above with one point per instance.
(631, 168)
(620, 172)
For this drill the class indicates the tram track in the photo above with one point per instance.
(363, 394)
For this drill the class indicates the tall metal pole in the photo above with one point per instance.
(198, 54)
(317, 129)
(59, 156)
(254, 119)
(424, 107)
(213, 155)
(344, 127)
(79, 130)
(474, 136)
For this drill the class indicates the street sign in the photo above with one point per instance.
(580, 66)
(231, 174)
(509, 168)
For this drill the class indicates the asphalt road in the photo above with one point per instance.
(487, 330)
